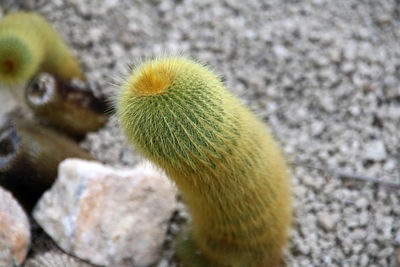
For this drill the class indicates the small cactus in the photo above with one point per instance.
(67, 106)
(29, 158)
(223, 159)
(28, 43)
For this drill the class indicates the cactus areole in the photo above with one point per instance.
(223, 159)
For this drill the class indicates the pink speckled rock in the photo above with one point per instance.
(107, 216)
(15, 235)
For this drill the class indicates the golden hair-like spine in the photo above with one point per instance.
(227, 165)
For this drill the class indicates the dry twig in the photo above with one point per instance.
(345, 175)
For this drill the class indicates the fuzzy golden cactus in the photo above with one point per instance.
(223, 159)
(28, 43)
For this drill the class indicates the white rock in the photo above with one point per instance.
(317, 127)
(363, 260)
(348, 67)
(326, 221)
(355, 110)
(95, 34)
(361, 203)
(117, 50)
(15, 233)
(321, 61)
(350, 51)
(375, 151)
(54, 259)
(386, 253)
(107, 216)
(281, 52)
(328, 103)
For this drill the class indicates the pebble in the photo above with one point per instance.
(317, 127)
(15, 235)
(108, 216)
(95, 34)
(361, 203)
(348, 67)
(375, 151)
(398, 239)
(327, 103)
(363, 218)
(281, 52)
(326, 222)
(350, 51)
(355, 110)
(386, 253)
(364, 260)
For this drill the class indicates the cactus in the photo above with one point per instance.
(21, 53)
(29, 158)
(28, 43)
(67, 106)
(223, 159)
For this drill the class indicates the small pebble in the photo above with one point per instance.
(375, 151)
(326, 221)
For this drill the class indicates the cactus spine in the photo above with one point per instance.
(29, 43)
(223, 159)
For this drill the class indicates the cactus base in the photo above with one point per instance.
(187, 252)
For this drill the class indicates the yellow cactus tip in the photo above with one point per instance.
(13, 68)
(153, 77)
(8, 66)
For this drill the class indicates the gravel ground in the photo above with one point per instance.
(325, 75)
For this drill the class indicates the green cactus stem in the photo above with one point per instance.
(227, 165)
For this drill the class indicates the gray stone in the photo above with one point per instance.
(96, 34)
(361, 203)
(281, 52)
(117, 50)
(326, 221)
(350, 51)
(386, 253)
(348, 67)
(321, 61)
(364, 260)
(317, 128)
(15, 235)
(398, 238)
(375, 151)
(108, 216)
(327, 103)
